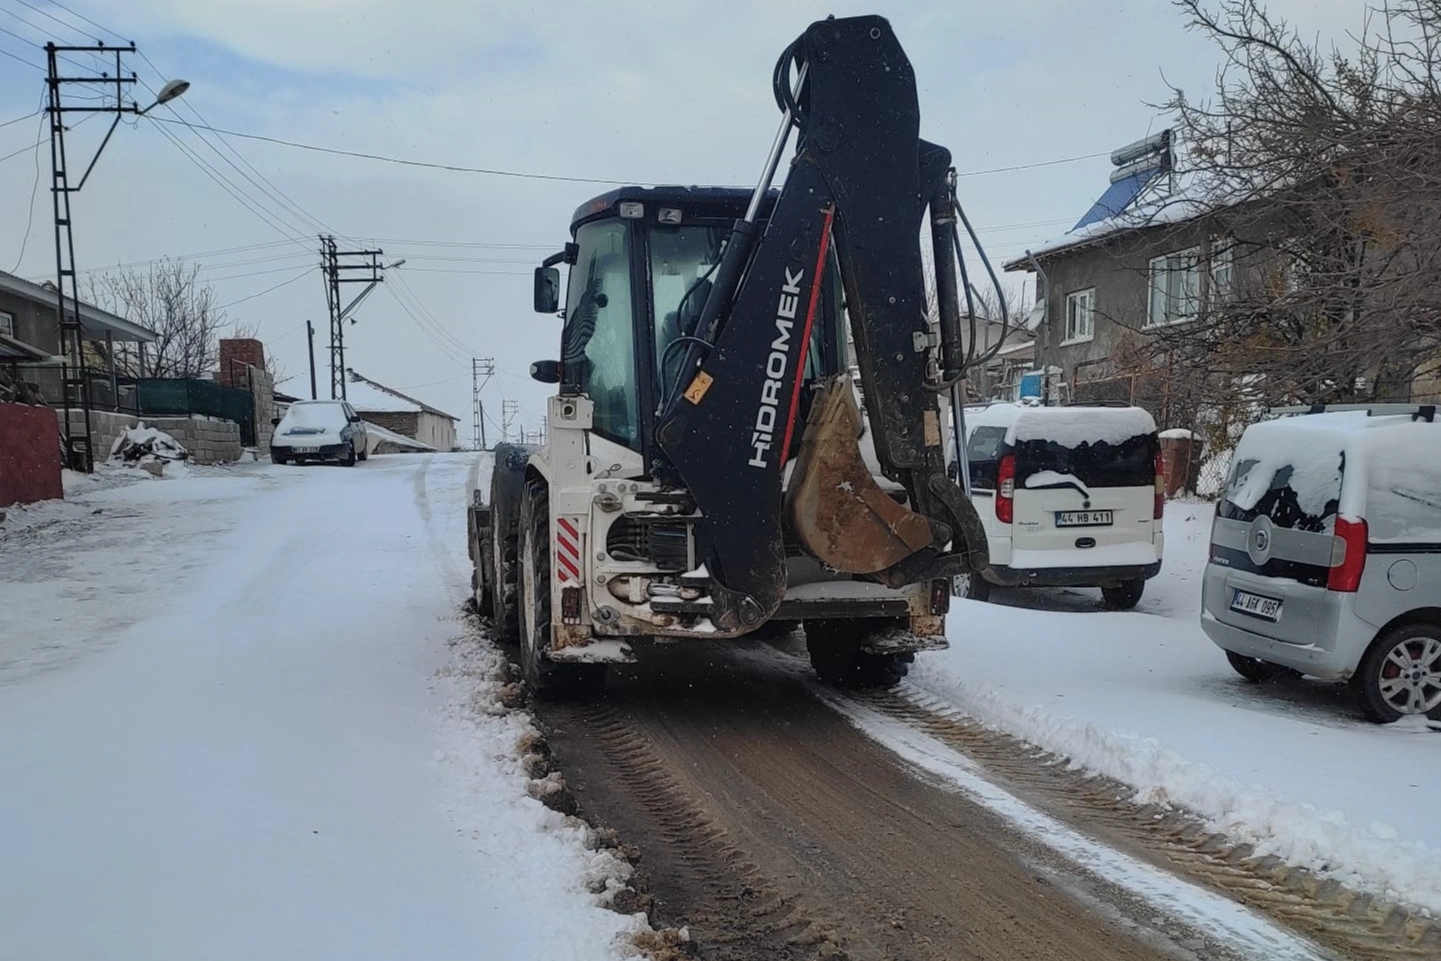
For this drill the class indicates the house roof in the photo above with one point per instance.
(94, 322)
(12, 349)
(1156, 210)
(367, 396)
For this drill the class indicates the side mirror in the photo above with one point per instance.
(545, 371)
(547, 290)
(354, 420)
(275, 422)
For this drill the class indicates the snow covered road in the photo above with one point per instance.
(1145, 698)
(258, 759)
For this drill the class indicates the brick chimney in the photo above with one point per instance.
(235, 354)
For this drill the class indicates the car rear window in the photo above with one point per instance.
(1127, 463)
(983, 452)
(1296, 482)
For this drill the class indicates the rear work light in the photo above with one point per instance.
(1348, 555)
(1006, 489)
(1159, 509)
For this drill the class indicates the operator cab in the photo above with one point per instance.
(640, 269)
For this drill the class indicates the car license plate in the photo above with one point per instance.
(1084, 519)
(1266, 608)
(307, 450)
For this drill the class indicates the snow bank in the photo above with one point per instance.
(141, 444)
(488, 755)
(1146, 699)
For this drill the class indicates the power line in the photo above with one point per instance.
(30, 214)
(97, 26)
(284, 283)
(63, 23)
(19, 119)
(454, 168)
(1031, 166)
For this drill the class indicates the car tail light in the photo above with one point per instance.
(1159, 510)
(1348, 555)
(1006, 489)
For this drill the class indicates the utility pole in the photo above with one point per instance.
(508, 410)
(369, 272)
(479, 366)
(74, 377)
(310, 336)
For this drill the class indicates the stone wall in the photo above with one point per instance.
(262, 388)
(209, 439)
(105, 429)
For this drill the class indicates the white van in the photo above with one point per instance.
(1069, 497)
(1326, 555)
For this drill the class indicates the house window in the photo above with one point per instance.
(7, 324)
(1175, 287)
(1080, 315)
(1223, 258)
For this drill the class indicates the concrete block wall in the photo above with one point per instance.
(262, 388)
(105, 428)
(209, 439)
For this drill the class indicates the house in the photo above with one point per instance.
(400, 413)
(1145, 256)
(30, 345)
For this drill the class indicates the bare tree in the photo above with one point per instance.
(171, 300)
(1318, 174)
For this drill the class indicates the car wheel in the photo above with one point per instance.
(1401, 674)
(349, 459)
(836, 656)
(542, 676)
(971, 586)
(1256, 670)
(1123, 596)
(363, 455)
(277, 458)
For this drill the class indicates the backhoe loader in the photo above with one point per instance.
(753, 402)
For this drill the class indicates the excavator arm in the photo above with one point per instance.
(861, 182)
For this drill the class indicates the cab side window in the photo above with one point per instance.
(598, 346)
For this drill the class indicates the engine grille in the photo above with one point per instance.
(664, 544)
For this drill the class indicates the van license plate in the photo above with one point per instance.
(1266, 608)
(1084, 519)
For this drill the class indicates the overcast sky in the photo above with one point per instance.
(649, 92)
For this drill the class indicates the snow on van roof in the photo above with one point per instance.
(1067, 426)
(1395, 452)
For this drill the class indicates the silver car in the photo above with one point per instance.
(1325, 555)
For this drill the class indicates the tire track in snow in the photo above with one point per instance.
(1364, 928)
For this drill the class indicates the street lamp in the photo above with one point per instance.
(169, 92)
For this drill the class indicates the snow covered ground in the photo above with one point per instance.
(241, 717)
(1146, 698)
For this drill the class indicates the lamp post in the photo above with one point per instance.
(75, 381)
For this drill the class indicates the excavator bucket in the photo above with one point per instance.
(836, 508)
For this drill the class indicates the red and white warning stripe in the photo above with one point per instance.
(567, 550)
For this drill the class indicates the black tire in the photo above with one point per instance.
(1401, 674)
(502, 575)
(971, 586)
(1256, 670)
(277, 458)
(1124, 595)
(349, 459)
(834, 647)
(363, 455)
(544, 678)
